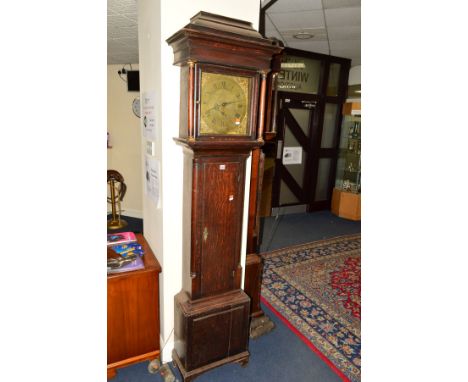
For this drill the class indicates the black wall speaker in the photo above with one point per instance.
(133, 80)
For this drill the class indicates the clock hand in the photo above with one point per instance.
(215, 107)
(227, 103)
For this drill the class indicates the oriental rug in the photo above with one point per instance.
(315, 289)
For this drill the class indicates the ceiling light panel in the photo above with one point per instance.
(282, 6)
(318, 34)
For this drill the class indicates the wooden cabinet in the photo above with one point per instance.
(133, 314)
(346, 205)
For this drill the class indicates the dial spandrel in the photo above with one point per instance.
(224, 104)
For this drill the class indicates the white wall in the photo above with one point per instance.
(124, 129)
(354, 75)
(158, 20)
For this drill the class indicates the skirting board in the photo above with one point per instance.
(288, 210)
(166, 353)
(130, 213)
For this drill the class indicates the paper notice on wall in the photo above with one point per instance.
(292, 155)
(148, 115)
(152, 179)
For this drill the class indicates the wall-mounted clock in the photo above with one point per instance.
(136, 107)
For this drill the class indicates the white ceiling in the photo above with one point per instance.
(335, 25)
(122, 32)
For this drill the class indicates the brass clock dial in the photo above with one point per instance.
(224, 104)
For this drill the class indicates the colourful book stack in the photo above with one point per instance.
(127, 253)
(125, 250)
(126, 266)
(121, 238)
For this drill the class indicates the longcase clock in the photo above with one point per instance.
(224, 63)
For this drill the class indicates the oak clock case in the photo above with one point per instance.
(223, 64)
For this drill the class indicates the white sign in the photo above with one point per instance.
(152, 179)
(148, 115)
(292, 155)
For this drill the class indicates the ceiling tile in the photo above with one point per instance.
(126, 41)
(328, 4)
(268, 23)
(297, 20)
(122, 6)
(122, 48)
(120, 21)
(123, 59)
(113, 45)
(294, 6)
(132, 16)
(310, 46)
(122, 31)
(346, 44)
(346, 53)
(340, 17)
(343, 20)
(273, 33)
(355, 60)
(344, 33)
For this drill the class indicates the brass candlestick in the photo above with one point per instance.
(117, 190)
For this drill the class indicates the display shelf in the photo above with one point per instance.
(348, 177)
(346, 198)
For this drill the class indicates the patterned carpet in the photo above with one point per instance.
(316, 289)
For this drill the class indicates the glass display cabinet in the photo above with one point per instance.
(346, 199)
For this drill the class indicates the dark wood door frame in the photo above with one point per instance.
(316, 130)
(296, 101)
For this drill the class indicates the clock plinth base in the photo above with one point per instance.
(188, 376)
(210, 332)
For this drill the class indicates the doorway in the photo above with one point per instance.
(306, 153)
(302, 136)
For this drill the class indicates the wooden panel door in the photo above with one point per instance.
(220, 223)
(295, 124)
(308, 125)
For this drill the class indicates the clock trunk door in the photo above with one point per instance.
(220, 224)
